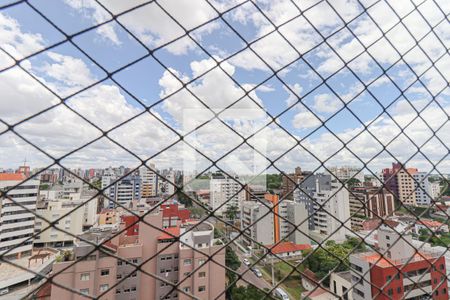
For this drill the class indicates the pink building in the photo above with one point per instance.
(165, 258)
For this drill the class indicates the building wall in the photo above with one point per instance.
(17, 223)
(423, 189)
(72, 223)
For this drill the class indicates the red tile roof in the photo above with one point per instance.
(285, 247)
(171, 231)
(430, 223)
(11, 176)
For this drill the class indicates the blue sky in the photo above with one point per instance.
(297, 49)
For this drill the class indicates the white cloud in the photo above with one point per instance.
(326, 103)
(305, 120)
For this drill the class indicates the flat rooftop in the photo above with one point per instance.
(11, 275)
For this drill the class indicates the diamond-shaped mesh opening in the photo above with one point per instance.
(224, 149)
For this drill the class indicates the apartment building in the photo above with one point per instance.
(369, 202)
(402, 272)
(400, 181)
(225, 192)
(423, 188)
(149, 178)
(166, 185)
(305, 194)
(271, 221)
(332, 212)
(124, 191)
(435, 190)
(178, 255)
(16, 222)
(257, 222)
(345, 173)
(289, 182)
(68, 223)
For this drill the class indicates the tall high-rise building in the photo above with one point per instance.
(327, 203)
(332, 212)
(423, 188)
(269, 221)
(225, 192)
(17, 223)
(369, 202)
(180, 256)
(124, 191)
(289, 182)
(149, 179)
(400, 181)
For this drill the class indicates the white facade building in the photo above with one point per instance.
(16, 222)
(423, 188)
(224, 189)
(257, 223)
(435, 190)
(331, 207)
(293, 213)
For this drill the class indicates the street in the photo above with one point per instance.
(249, 276)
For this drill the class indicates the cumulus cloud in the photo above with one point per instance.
(60, 130)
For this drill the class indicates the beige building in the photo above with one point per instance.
(177, 255)
(369, 202)
(62, 233)
(149, 187)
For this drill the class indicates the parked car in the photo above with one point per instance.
(280, 294)
(246, 262)
(257, 272)
(4, 291)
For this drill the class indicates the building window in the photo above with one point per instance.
(118, 291)
(133, 288)
(201, 261)
(104, 287)
(201, 288)
(104, 272)
(389, 277)
(399, 290)
(444, 291)
(442, 267)
(390, 292)
(119, 276)
(202, 274)
(187, 262)
(119, 262)
(84, 277)
(186, 289)
(84, 291)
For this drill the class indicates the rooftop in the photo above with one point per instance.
(430, 223)
(11, 177)
(11, 274)
(170, 233)
(285, 247)
(384, 262)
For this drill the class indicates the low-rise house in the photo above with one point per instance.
(286, 250)
(432, 225)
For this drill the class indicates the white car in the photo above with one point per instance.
(257, 272)
(280, 294)
(246, 262)
(4, 291)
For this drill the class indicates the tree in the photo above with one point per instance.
(332, 257)
(247, 293)
(353, 182)
(231, 261)
(231, 212)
